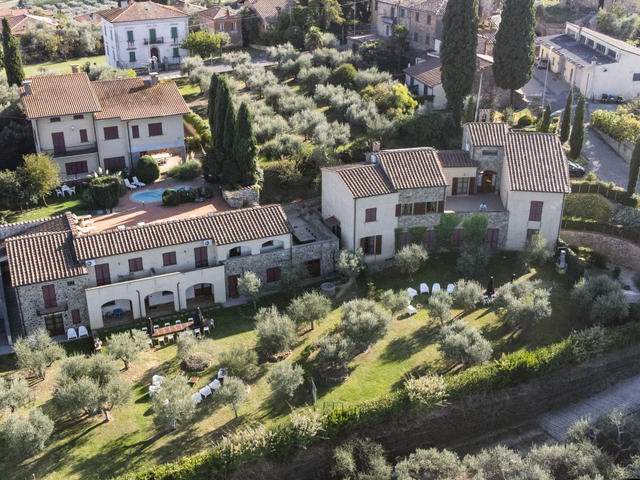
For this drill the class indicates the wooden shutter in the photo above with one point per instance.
(274, 274)
(398, 210)
(155, 129)
(454, 186)
(440, 207)
(75, 316)
(83, 135)
(169, 258)
(492, 237)
(135, 131)
(135, 264)
(535, 211)
(472, 185)
(201, 259)
(103, 276)
(378, 244)
(419, 208)
(49, 296)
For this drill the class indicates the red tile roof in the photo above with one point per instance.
(267, 10)
(137, 11)
(487, 134)
(363, 179)
(412, 167)
(455, 158)
(57, 95)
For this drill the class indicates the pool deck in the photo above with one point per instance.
(129, 212)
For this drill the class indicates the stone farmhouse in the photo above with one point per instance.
(142, 35)
(594, 63)
(396, 196)
(220, 19)
(103, 124)
(59, 278)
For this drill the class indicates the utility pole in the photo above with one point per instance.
(546, 74)
(354, 18)
(475, 117)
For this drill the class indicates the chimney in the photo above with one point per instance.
(27, 87)
(375, 146)
(74, 68)
(124, 3)
(153, 76)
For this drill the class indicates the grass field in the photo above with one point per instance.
(56, 206)
(93, 449)
(62, 67)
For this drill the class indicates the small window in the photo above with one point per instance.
(589, 42)
(76, 168)
(83, 135)
(406, 209)
(491, 153)
(174, 32)
(233, 26)
(169, 258)
(428, 19)
(155, 129)
(78, 117)
(111, 133)
(54, 119)
(611, 53)
(636, 77)
(75, 316)
(221, 27)
(176, 52)
(274, 274)
(600, 47)
(417, 16)
(401, 12)
(535, 211)
(130, 36)
(135, 264)
(235, 252)
(370, 214)
(132, 56)
(71, 283)
(135, 131)
(432, 207)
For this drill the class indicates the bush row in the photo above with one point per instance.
(587, 205)
(609, 190)
(620, 125)
(628, 233)
(201, 126)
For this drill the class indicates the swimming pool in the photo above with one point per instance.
(154, 195)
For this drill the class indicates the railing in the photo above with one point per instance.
(46, 311)
(131, 45)
(77, 150)
(151, 41)
(176, 41)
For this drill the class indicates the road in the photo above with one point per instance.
(605, 163)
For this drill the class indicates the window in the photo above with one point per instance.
(49, 296)
(201, 259)
(370, 214)
(155, 129)
(221, 27)
(78, 117)
(235, 252)
(491, 153)
(417, 16)
(174, 32)
(432, 207)
(427, 40)
(114, 163)
(103, 276)
(111, 133)
(135, 131)
(130, 36)
(535, 211)
(404, 239)
(393, 12)
(75, 168)
(531, 232)
(429, 239)
(274, 274)
(611, 53)
(403, 209)
(54, 119)
(428, 19)
(460, 186)
(132, 56)
(636, 77)
(169, 258)
(152, 35)
(54, 325)
(600, 47)
(176, 52)
(590, 42)
(233, 26)
(135, 264)
(83, 135)
(75, 316)
(419, 208)
(71, 282)
(401, 12)
(415, 36)
(493, 235)
(458, 237)
(371, 245)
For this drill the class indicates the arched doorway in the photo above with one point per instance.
(488, 181)
(117, 312)
(161, 303)
(200, 295)
(155, 53)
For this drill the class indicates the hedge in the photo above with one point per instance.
(587, 205)
(619, 125)
(201, 126)
(609, 190)
(628, 233)
(507, 371)
(104, 192)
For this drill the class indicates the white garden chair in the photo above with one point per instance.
(160, 341)
(155, 327)
(196, 397)
(129, 185)
(215, 384)
(205, 330)
(138, 183)
(222, 373)
(197, 331)
(59, 193)
(178, 322)
(157, 379)
(205, 391)
(424, 288)
(451, 288)
(435, 288)
(411, 310)
(144, 329)
(167, 324)
(412, 292)
(82, 331)
(71, 334)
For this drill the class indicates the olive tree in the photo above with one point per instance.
(25, 437)
(599, 300)
(276, 331)
(240, 361)
(350, 264)
(284, 379)
(537, 251)
(310, 307)
(439, 305)
(502, 463)
(186, 344)
(14, 393)
(172, 403)
(523, 303)
(461, 343)
(395, 301)
(364, 322)
(232, 393)
(37, 352)
(249, 286)
(334, 354)
(127, 345)
(467, 294)
(360, 459)
(430, 464)
(410, 258)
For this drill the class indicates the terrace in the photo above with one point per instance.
(471, 203)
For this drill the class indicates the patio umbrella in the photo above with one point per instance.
(490, 290)
(199, 319)
(150, 326)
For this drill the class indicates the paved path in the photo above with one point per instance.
(624, 396)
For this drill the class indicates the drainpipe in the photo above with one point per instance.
(24, 330)
(129, 143)
(355, 209)
(179, 303)
(95, 132)
(140, 305)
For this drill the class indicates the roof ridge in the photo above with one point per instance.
(37, 234)
(25, 222)
(408, 149)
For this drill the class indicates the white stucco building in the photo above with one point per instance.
(104, 124)
(137, 32)
(399, 196)
(593, 62)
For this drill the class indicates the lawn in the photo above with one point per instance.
(56, 206)
(62, 67)
(93, 449)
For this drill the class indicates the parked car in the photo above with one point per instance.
(576, 170)
(542, 63)
(619, 99)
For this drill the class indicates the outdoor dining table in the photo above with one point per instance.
(173, 329)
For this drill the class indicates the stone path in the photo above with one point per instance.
(624, 396)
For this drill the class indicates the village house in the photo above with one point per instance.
(219, 19)
(108, 125)
(520, 180)
(268, 11)
(146, 34)
(594, 63)
(61, 278)
(23, 19)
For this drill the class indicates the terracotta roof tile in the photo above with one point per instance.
(129, 99)
(536, 163)
(412, 167)
(426, 72)
(57, 95)
(137, 11)
(223, 228)
(364, 179)
(487, 134)
(455, 158)
(267, 10)
(216, 13)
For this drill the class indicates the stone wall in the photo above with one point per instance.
(327, 251)
(13, 229)
(436, 194)
(245, 197)
(69, 291)
(619, 251)
(624, 148)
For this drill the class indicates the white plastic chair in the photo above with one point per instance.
(82, 331)
(157, 379)
(197, 331)
(190, 319)
(205, 330)
(178, 322)
(153, 389)
(435, 288)
(167, 324)
(222, 373)
(412, 292)
(71, 334)
(59, 193)
(129, 185)
(411, 310)
(155, 327)
(138, 182)
(424, 288)
(161, 340)
(451, 288)
(144, 329)
(215, 384)
(72, 191)
(205, 391)
(196, 397)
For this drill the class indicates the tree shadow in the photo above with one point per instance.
(402, 348)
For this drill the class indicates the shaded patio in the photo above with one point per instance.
(471, 203)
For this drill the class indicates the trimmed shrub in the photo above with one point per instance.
(170, 197)
(283, 145)
(201, 126)
(147, 169)
(344, 75)
(609, 190)
(105, 192)
(187, 171)
(589, 206)
(525, 121)
(620, 125)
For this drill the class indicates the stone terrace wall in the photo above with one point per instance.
(624, 148)
(13, 229)
(245, 197)
(619, 251)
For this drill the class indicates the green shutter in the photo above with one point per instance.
(130, 36)
(174, 32)
(176, 52)
(132, 56)
(152, 35)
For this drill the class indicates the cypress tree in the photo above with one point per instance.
(209, 163)
(458, 52)
(217, 155)
(634, 168)
(470, 110)
(576, 139)
(230, 170)
(565, 126)
(513, 54)
(244, 148)
(12, 56)
(545, 122)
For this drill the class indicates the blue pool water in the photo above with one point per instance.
(152, 196)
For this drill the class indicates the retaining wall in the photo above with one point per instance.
(624, 148)
(619, 251)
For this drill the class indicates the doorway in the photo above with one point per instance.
(232, 281)
(488, 182)
(155, 53)
(58, 142)
(54, 325)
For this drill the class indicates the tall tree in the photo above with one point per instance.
(458, 52)
(545, 122)
(38, 175)
(12, 55)
(222, 101)
(576, 139)
(634, 168)
(244, 148)
(202, 43)
(230, 171)
(513, 54)
(325, 12)
(565, 126)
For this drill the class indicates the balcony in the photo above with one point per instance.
(153, 41)
(48, 311)
(83, 149)
(176, 41)
(131, 45)
(471, 203)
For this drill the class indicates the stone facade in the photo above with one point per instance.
(425, 27)
(618, 250)
(245, 197)
(13, 229)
